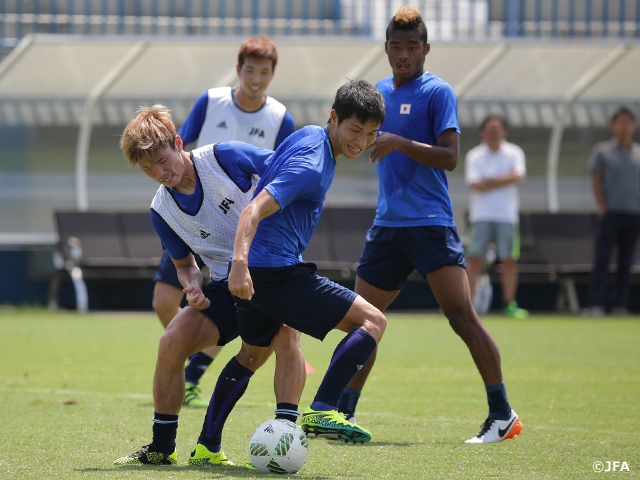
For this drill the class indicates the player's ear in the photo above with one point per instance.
(333, 117)
(179, 142)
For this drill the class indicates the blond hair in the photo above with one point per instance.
(150, 130)
(408, 18)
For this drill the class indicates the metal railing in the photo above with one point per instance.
(446, 19)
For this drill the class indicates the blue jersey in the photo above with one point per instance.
(240, 161)
(412, 194)
(298, 176)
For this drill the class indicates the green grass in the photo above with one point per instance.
(75, 395)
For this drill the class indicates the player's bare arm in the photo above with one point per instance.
(240, 283)
(596, 185)
(443, 155)
(191, 279)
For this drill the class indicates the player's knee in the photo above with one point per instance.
(286, 341)
(376, 324)
(165, 309)
(252, 357)
(174, 347)
(462, 322)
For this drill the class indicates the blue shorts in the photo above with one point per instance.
(166, 272)
(222, 310)
(391, 253)
(295, 296)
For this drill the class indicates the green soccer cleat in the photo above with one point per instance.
(250, 466)
(201, 456)
(330, 423)
(192, 396)
(512, 310)
(148, 455)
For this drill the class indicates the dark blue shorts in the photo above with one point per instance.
(295, 296)
(166, 272)
(391, 253)
(222, 310)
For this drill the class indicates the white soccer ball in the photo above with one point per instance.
(278, 446)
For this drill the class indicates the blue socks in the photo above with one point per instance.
(231, 385)
(349, 356)
(348, 401)
(498, 402)
(165, 428)
(198, 363)
(287, 411)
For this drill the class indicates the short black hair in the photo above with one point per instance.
(494, 116)
(407, 19)
(360, 99)
(623, 111)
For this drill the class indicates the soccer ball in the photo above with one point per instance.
(278, 446)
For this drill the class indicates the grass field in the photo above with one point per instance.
(75, 393)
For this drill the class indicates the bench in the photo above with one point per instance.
(95, 244)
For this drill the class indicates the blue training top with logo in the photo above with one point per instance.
(412, 194)
(298, 176)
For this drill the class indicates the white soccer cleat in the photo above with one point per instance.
(494, 430)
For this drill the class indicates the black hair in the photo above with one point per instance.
(407, 19)
(360, 99)
(494, 116)
(623, 111)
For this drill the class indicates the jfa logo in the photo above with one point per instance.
(610, 466)
(225, 205)
(257, 132)
(405, 109)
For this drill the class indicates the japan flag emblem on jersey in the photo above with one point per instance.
(405, 109)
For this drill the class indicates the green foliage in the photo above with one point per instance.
(75, 393)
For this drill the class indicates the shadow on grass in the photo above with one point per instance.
(219, 471)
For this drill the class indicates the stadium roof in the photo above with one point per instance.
(72, 80)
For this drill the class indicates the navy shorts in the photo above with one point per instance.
(222, 310)
(166, 272)
(295, 296)
(391, 253)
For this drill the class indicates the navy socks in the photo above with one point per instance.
(231, 385)
(198, 363)
(498, 402)
(165, 428)
(349, 356)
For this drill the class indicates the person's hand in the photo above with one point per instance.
(383, 146)
(240, 283)
(195, 297)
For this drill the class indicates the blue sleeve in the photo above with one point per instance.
(287, 128)
(444, 110)
(190, 129)
(175, 246)
(296, 181)
(242, 160)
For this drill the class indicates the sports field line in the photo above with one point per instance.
(61, 391)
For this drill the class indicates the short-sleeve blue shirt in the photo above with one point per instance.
(298, 176)
(412, 194)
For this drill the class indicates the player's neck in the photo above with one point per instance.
(398, 82)
(187, 185)
(247, 103)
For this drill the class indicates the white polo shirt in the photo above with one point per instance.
(500, 204)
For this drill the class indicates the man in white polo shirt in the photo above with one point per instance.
(493, 171)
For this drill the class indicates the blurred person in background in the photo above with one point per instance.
(615, 179)
(493, 171)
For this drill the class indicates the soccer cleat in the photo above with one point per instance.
(192, 396)
(494, 430)
(148, 455)
(201, 456)
(250, 466)
(331, 424)
(512, 310)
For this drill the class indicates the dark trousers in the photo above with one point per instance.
(616, 230)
